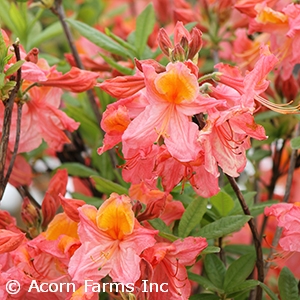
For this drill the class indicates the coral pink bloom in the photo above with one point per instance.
(112, 241)
(172, 172)
(168, 262)
(123, 86)
(283, 27)
(288, 217)
(75, 80)
(253, 83)
(173, 98)
(43, 105)
(9, 240)
(225, 138)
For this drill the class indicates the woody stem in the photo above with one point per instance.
(8, 104)
(257, 243)
(59, 11)
(16, 146)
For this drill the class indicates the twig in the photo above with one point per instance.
(9, 105)
(286, 196)
(257, 243)
(275, 175)
(59, 11)
(16, 146)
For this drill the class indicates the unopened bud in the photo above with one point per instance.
(178, 54)
(31, 217)
(164, 42)
(137, 207)
(33, 55)
(195, 43)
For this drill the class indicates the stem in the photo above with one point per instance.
(59, 11)
(286, 196)
(9, 105)
(275, 175)
(257, 243)
(16, 146)
(221, 253)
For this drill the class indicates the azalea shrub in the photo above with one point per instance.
(154, 145)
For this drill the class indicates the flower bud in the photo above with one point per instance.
(31, 215)
(164, 42)
(33, 55)
(178, 54)
(195, 43)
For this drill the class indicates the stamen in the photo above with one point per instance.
(282, 108)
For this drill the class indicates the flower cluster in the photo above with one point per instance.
(177, 126)
(85, 244)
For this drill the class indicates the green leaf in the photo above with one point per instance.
(77, 169)
(160, 225)
(144, 27)
(107, 187)
(88, 127)
(99, 38)
(120, 41)
(268, 291)
(295, 143)
(223, 203)
(4, 15)
(239, 270)
(114, 64)
(244, 286)
(206, 283)
(223, 226)
(192, 216)
(2, 78)
(288, 285)
(259, 208)
(19, 22)
(214, 269)
(3, 52)
(89, 200)
(47, 34)
(14, 68)
(211, 249)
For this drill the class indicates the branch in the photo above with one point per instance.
(286, 196)
(59, 11)
(16, 146)
(9, 105)
(257, 244)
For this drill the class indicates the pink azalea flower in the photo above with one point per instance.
(168, 262)
(173, 98)
(225, 139)
(43, 105)
(112, 241)
(288, 217)
(10, 241)
(172, 172)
